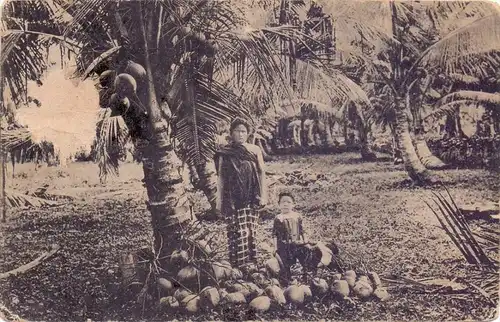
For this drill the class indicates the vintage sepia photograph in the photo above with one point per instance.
(240, 160)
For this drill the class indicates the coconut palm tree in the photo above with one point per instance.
(165, 56)
(162, 69)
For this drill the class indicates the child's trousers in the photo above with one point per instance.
(289, 254)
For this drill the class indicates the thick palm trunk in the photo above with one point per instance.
(367, 153)
(329, 136)
(168, 203)
(416, 170)
(206, 181)
(308, 132)
(428, 159)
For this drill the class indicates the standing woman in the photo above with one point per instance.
(241, 191)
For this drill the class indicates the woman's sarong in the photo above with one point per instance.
(241, 229)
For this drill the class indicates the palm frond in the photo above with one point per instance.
(368, 21)
(447, 16)
(30, 35)
(327, 85)
(12, 139)
(492, 100)
(22, 146)
(383, 111)
(468, 50)
(464, 79)
(112, 135)
(18, 200)
(99, 60)
(203, 103)
(452, 221)
(451, 109)
(255, 47)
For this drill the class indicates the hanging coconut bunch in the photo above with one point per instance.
(195, 40)
(121, 81)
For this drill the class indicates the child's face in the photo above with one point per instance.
(286, 204)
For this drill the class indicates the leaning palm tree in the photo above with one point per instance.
(398, 55)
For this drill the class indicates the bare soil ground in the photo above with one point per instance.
(375, 215)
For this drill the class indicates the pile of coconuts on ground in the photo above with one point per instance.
(256, 289)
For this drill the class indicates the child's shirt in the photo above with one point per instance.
(288, 227)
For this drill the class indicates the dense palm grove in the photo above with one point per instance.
(319, 77)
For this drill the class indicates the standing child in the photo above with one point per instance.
(288, 233)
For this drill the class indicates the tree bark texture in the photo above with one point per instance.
(428, 159)
(416, 170)
(168, 201)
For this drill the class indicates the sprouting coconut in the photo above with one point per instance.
(219, 272)
(375, 279)
(307, 291)
(362, 288)
(236, 274)
(210, 297)
(235, 298)
(273, 267)
(275, 294)
(259, 279)
(381, 294)
(180, 294)
(350, 277)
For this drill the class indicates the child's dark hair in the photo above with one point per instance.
(285, 194)
(238, 121)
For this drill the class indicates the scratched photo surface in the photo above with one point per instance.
(227, 160)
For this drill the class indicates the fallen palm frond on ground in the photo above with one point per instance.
(485, 278)
(16, 200)
(452, 220)
(26, 267)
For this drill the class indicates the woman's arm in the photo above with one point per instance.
(262, 174)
